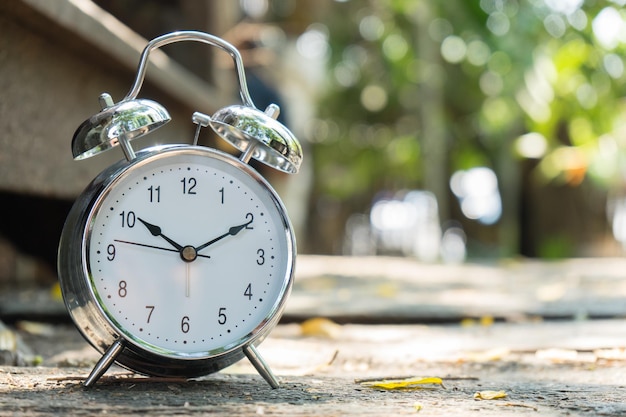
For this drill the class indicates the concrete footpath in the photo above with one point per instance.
(517, 338)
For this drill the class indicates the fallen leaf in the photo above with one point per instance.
(418, 406)
(55, 292)
(387, 290)
(403, 384)
(320, 326)
(467, 322)
(489, 395)
(484, 321)
(487, 321)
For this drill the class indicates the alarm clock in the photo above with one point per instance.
(177, 260)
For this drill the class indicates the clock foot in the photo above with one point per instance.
(104, 363)
(260, 365)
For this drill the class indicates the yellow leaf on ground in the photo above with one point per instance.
(487, 321)
(387, 290)
(403, 384)
(321, 327)
(484, 321)
(490, 395)
(55, 292)
(467, 322)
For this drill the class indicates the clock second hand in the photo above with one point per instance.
(153, 247)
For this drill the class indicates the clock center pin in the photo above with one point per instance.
(188, 254)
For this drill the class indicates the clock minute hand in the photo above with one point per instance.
(231, 232)
(156, 231)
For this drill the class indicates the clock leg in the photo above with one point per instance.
(260, 365)
(104, 363)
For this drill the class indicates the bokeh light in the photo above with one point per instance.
(478, 194)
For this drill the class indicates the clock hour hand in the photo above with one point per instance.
(231, 232)
(156, 231)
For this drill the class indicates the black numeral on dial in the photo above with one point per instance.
(110, 252)
(121, 289)
(155, 194)
(150, 311)
(184, 324)
(221, 317)
(189, 185)
(128, 219)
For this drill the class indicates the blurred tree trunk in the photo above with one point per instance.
(508, 171)
(434, 156)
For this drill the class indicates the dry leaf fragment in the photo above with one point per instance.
(468, 322)
(487, 321)
(484, 321)
(387, 290)
(489, 395)
(321, 327)
(403, 384)
(55, 292)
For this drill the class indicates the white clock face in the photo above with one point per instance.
(188, 255)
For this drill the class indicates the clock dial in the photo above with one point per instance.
(189, 253)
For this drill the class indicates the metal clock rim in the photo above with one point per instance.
(150, 157)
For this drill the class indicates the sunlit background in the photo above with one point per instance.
(445, 131)
(509, 113)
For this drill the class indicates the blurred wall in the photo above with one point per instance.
(56, 58)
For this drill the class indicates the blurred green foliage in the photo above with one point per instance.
(500, 69)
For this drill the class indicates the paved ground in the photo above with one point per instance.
(491, 332)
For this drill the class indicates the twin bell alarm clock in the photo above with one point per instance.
(178, 259)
